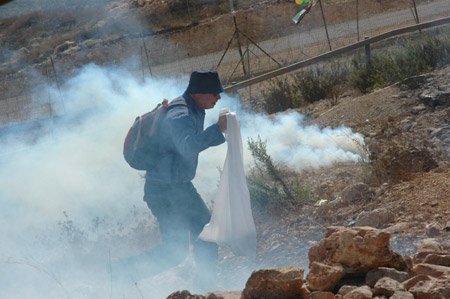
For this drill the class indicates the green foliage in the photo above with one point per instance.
(272, 186)
(306, 87)
(281, 95)
(413, 56)
(322, 83)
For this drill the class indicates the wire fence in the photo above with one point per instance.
(288, 44)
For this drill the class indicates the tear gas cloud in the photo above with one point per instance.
(69, 203)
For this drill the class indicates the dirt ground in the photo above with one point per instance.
(414, 190)
(419, 199)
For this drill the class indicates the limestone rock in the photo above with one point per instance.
(357, 249)
(356, 192)
(275, 283)
(437, 259)
(321, 295)
(224, 294)
(414, 280)
(323, 277)
(402, 295)
(428, 246)
(375, 218)
(374, 275)
(346, 289)
(185, 295)
(387, 286)
(431, 270)
(432, 289)
(363, 292)
(433, 229)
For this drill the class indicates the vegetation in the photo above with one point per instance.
(273, 187)
(304, 88)
(414, 56)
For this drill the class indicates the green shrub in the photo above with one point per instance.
(280, 96)
(273, 187)
(322, 83)
(415, 56)
(306, 87)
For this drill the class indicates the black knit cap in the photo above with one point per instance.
(204, 81)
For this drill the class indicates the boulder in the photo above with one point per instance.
(434, 98)
(363, 292)
(323, 277)
(414, 280)
(433, 229)
(402, 295)
(387, 286)
(275, 283)
(321, 295)
(436, 288)
(375, 218)
(185, 295)
(224, 294)
(357, 249)
(374, 275)
(431, 270)
(428, 246)
(398, 163)
(356, 192)
(437, 259)
(346, 289)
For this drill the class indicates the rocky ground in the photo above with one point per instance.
(403, 192)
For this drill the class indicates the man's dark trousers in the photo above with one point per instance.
(181, 214)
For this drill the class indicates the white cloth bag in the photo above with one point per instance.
(231, 222)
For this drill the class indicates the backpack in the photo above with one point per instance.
(140, 148)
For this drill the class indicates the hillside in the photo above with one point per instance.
(409, 142)
(110, 32)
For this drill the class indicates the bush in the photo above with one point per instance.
(323, 83)
(416, 56)
(411, 58)
(280, 96)
(273, 187)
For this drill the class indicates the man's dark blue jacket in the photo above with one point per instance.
(182, 139)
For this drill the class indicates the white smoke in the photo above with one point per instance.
(69, 203)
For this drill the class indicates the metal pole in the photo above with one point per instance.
(357, 18)
(48, 91)
(237, 35)
(415, 11)
(226, 49)
(146, 55)
(325, 24)
(239, 62)
(142, 63)
(239, 43)
(367, 47)
(189, 10)
(57, 84)
(261, 49)
(232, 6)
(248, 59)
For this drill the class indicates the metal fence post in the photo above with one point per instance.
(367, 47)
(357, 18)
